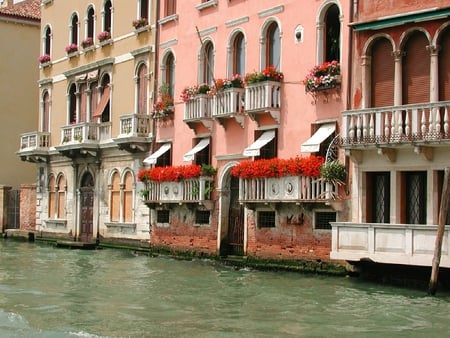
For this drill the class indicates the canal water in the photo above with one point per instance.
(50, 292)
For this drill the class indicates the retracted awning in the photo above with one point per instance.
(254, 148)
(103, 102)
(312, 145)
(154, 157)
(189, 156)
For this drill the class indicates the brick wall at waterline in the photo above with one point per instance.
(27, 206)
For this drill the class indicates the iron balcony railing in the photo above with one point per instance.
(426, 122)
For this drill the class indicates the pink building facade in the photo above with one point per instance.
(277, 116)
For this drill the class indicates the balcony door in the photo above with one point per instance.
(414, 189)
(378, 199)
(235, 238)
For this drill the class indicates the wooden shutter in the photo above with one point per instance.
(62, 198)
(416, 70)
(115, 199)
(382, 74)
(46, 112)
(444, 66)
(83, 102)
(142, 91)
(51, 197)
(128, 199)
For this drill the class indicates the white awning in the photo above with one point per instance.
(254, 148)
(312, 145)
(189, 156)
(153, 157)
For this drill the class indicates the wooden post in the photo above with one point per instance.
(445, 200)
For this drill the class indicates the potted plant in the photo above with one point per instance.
(44, 59)
(103, 36)
(87, 42)
(333, 172)
(190, 92)
(139, 23)
(324, 76)
(164, 105)
(72, 48)
(270, 73)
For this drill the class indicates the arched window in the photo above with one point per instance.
(121, 198)
(169, 73)
(332, 29)
(57, 197)
(61, 197)
(106, 114)
(51, 196)
(143, 9)
(107, 16)
(238, 62)
(114, 208)
(444, 65)
(72, 104)
(416, 69)
(45, 111)
(142, 88)
(128, 198)
(90, 23)
(74, 29)
(382, 74)
(273, 46)
(207, 65)
(47, 40)
(83, 101)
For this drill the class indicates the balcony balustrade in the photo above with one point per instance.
(34, 146)
(194, 190)
(135, 132)
(286, 189)
(262, 98)
(86, 132)
(406, 244)
(229, 104)
(419, 123)
(198, 111)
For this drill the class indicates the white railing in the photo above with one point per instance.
(263, 96)
(189, 190)
(35, 141)
(396, 124)
(298, 188)
(198, 108)
(228, 102)
(406, 244)
(86, 132)
(135, 125)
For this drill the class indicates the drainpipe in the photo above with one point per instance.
(353, 10)
(155, 72)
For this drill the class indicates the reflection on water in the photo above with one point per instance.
(49, 292)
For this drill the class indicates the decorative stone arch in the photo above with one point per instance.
(263, 41)
(202, 64)
(74, 32)
(47, 37)
(88, 25)
(366, 65)
(230, 49)
(438, 34)
(320, 20)
(45, 109)
(406, 34)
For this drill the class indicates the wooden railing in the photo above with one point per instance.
(289, 188)
(406, 244)
(397, 124)
(35, 141)
(135, 125)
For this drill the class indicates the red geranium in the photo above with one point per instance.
(170, 174)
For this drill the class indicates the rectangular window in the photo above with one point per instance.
(202, 216)
(162, 216)
(165, 159)
(269, 150)
(266, 219)
(170, 7)
(322, 219)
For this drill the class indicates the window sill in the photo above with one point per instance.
(118, 227)
(106, 42)
(143, 29)
(206, 4)
(72, 55)
(45, 65)
(47, 2)
(173, 17)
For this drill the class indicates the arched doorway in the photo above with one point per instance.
(86, 208)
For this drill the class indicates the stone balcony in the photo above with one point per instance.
(135, 133)
(405, 244)
(194, 191)
(262, 98)
(229, 105)
(197, 111)
(422, 125)
(34, 146)
(297, 189)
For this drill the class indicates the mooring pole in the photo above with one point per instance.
(443, 210)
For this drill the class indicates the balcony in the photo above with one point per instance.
(286, 189)
(34, 146)
(188, 191)
(406, 244)
(229, 105)
(135, 133)
(262, 98)
(418, 124)
(83, 138)
(197, 111)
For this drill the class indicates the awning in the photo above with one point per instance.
(312, 145)
(103, 102)
(254, 148)
(189, 156)
(153, 157)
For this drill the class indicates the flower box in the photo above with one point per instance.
(323, 77)
(43, 59)
(72, 48)
(139, 23)
(88, 42)
(104, 36)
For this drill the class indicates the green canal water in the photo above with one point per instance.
(50, 292)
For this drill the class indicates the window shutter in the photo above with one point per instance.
(416, 70)
(382, 75)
